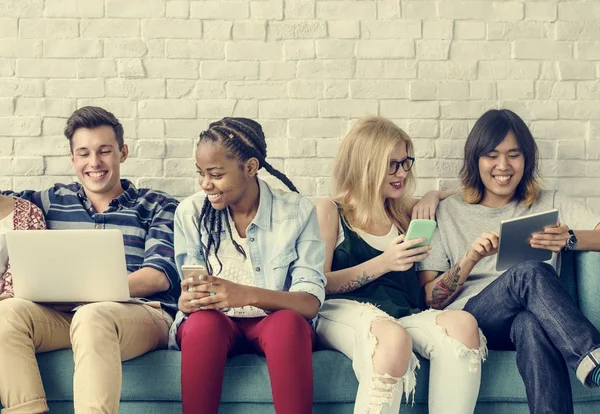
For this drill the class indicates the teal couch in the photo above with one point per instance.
(151, 382)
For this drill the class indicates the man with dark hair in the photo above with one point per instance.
(524, 308)
(106, 333)
(91, 117)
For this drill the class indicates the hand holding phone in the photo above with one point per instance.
(409, 248)
(421, 229)
(193, 276)
(194, 272)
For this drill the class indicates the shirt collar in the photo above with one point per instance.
(127, 198)
(265, 206)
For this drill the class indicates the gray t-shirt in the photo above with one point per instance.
(460, 223)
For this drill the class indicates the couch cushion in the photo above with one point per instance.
(588, 285)
(155, 377)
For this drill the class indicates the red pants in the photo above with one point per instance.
(285, 338)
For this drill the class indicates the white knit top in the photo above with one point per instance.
(237, 269)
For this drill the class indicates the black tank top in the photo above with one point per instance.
(396, 293)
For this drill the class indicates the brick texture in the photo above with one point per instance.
(306, 69)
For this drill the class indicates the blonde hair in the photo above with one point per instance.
(360, 169)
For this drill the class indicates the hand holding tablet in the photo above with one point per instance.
(516, 237)
(552, 238)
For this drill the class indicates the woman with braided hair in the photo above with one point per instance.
(264, 258)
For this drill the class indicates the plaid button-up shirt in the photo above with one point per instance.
(144, 216)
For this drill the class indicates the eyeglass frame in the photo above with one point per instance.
(401, 163)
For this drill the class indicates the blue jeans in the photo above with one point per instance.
(527, 309)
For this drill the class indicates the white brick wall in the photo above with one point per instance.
(306, 69)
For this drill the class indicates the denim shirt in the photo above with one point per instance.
(284, 242)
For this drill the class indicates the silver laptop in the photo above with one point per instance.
(68, 265)
(515, 233)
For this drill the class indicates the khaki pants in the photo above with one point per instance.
(101, 334)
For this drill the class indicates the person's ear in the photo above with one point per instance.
(124, 153)
(251, 167)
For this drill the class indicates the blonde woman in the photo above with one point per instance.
(374, 312)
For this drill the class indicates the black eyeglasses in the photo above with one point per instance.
(407, 163)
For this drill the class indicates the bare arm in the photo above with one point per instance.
(7, 205)
(588, 240)
(398, 257)
(441, 289)
(146, 282)
(555, 239)
(212, 292)
(349, 279)
(304, 303)
(425, 207)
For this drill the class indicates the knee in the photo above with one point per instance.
(91, 314)
(393, 348)
(95, 318)
(15, 315)
(289, 322)
(286, 329)
(526, 325)
(533, 269)
(206, 324)
(460, 325)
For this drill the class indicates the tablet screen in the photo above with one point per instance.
(515, 233)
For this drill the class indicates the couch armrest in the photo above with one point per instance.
(587, 265)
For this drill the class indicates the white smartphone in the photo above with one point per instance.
(193, 271)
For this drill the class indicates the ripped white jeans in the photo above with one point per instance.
(455, 369)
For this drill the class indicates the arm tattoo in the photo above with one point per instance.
(445, 288)
(355, 283)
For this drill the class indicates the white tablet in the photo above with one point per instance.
(515, 234)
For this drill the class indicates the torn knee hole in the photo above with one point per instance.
(385, 388)
(470, 337)
(477, 355)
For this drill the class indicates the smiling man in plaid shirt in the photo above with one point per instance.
(101, 334)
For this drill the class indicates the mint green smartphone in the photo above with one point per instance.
(419, 228)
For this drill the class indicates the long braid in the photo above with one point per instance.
(210, 220)
(239, 248)
(202, 222)
(280, 176)
(261, 145)
(243, 138)
(219, 225)
(257, 144)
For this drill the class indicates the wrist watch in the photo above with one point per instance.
(571, 241)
